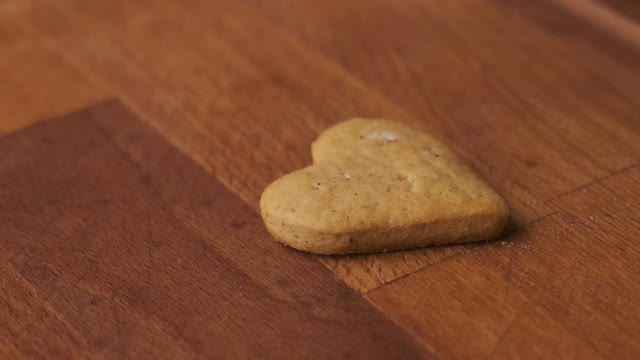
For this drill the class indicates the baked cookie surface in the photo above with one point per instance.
(378, 185)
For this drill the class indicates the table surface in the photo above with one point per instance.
(137, 136)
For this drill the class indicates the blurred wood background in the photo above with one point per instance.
(137, 136)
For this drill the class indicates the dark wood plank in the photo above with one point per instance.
(566, 284)
(230, 95)
(30, 329)
(126, 248)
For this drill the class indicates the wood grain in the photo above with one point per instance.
(130, 250)
(574, 271)
(288, 104)
(614, 17)
(537, 128)
(35, 81)
(627, 8)
(542, 92)
(537, 97)
(30, 328)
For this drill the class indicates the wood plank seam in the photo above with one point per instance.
(37, 124)
(574, 251)
(131, 104)
(422, 268)
(9, 263)
(12, 266)
(107, 137)
(356, 293)
(420, 339)
(330, 64)
(335, 67)
(141, 113)
(462, 251)
(589, 229)
(581, 187)
(302, 30)
(511, 323)
(174, 147)
(37, 83)
(325, 61)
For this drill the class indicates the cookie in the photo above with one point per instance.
(378, 185)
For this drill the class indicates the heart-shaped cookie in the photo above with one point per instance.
(378, 185)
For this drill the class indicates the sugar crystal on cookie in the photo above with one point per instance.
(385, 135)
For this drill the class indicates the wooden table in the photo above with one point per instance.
(137, 137)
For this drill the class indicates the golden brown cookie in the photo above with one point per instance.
(379, 185)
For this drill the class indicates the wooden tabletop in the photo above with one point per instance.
(137, 136)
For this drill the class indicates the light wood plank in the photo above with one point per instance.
(35, 81)
(577, 268)
(491, 77)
